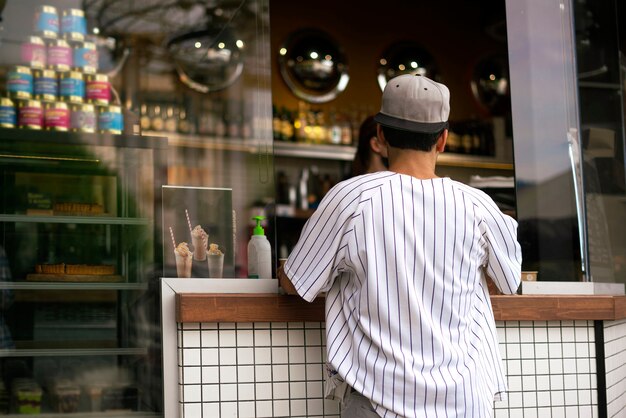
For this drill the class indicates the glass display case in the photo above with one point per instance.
(79, 230)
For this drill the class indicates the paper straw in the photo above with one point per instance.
(188, 221)
(173, 240)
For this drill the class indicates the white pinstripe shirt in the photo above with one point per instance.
(409, 322)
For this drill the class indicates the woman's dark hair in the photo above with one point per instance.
(419, 141)
(367, 131)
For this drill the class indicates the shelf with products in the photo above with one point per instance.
(208, 142)
(280, 148)
(317, 151)
(78, 224)
(329, 134)
(107, 414)
(61, 219)
(74, 286)
(473, 161)
(24, 138)
(72, 352)
(322, 151)
(346, 153)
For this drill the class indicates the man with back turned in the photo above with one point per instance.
(404, 257)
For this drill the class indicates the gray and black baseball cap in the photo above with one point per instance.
(414, 103)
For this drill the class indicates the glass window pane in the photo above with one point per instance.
(110, 101)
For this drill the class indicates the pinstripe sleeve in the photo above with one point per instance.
(504, 254)
(318, 257)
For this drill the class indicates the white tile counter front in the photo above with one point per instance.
(173, 370)
(275, 369)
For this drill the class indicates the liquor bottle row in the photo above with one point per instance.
(215, 118)
(472, 137)
(164, 118)
(318, 126)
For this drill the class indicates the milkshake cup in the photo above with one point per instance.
(215, 260)
(199, 240)
(184, 260)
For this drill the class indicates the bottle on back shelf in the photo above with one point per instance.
(233, 118)
(466, 142)
(334, 128)
(218, 118)
(156, 119)
(346, 131)
(454, 140)
(205, 119)
(311, 122)
(170, 123)
(303, 189)
(144, 121)
(286, 125)
(184, 127)
(276, 123)
(321, 133)
(300, 123)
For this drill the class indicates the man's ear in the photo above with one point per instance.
(441, 141)
(376, 146)
(379, 143)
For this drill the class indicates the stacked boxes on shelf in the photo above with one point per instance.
(57, 86)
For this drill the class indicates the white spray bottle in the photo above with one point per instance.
(259, 253)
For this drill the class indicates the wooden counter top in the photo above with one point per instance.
(246, 307)
(264, 307)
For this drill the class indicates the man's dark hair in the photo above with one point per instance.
(419, 141)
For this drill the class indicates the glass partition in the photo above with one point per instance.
(107, 107)
(600, 88)
(547, 148)
(567, 102)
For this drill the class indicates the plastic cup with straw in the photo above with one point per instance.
(199, 240)
(184, 258)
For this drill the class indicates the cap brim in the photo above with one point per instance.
(411, 126)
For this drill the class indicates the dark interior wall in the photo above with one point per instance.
(621, 25)
(453, 32)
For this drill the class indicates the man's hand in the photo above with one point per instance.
(284, 282)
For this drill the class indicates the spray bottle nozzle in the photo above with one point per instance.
(258, 229)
